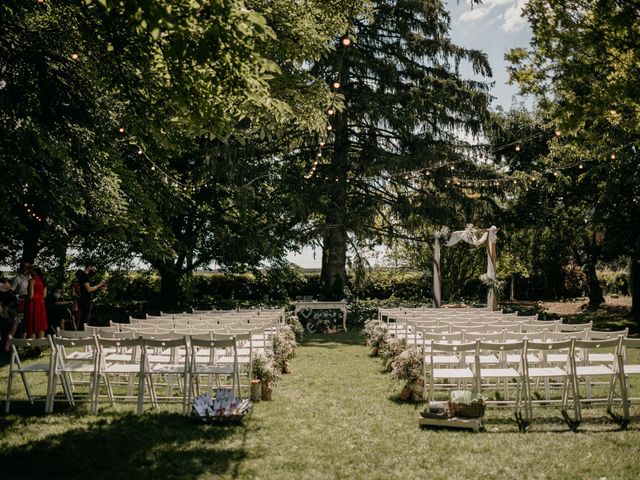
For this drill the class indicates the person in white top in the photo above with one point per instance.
(20, 287)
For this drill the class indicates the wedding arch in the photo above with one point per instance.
(474, 237)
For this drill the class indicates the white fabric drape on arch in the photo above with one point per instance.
(490, 236)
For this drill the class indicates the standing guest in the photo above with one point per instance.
(20, 287)
(9, 317)
(86, 292)
(37, 312)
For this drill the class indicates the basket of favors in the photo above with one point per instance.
(225, 408)
(466, 404)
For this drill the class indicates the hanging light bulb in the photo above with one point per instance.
(139, 151)
(153, 167)
(322, 143)
(580, 166)
(336, 85)
(330, 111)
(613, 156)
(346, 41)
(558, 132)
(329, 127)
(517, 148)
(121, 130)
(74, 56)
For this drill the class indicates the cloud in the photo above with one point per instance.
(511, 19)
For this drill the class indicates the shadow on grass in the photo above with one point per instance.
(160, 446)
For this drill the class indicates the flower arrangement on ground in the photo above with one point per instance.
(264, 371)
(284, 348)
(294, 322)
(390, 349)
(408, 368)
(376, 334)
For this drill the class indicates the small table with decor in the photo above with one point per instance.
(314, 305)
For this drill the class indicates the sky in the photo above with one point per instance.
(494, 27)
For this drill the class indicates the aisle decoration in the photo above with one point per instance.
(284, 348)
(390, 349)
(407, 367)
(225, 408)
(376, 334)
(265, 373)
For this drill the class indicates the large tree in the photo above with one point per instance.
(583, 68)
(406, 107)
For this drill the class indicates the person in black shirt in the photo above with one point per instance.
(86, 293)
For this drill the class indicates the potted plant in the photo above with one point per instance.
(294, 322)
(390, 349)
(284, 347)
(265, 374)
(408, 367)
(376, 334)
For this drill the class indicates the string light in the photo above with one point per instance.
(121, 130)
(74, 56)
(346, 41)
(558, 133)
(613, 156)
(336, 85)
(517, 148)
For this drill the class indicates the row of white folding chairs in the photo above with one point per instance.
(100, 364)
(437, 312)
(412, 332)
(211, 319)
(571, 361)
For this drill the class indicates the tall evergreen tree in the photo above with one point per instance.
(406, 108)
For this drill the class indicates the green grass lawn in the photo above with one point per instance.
(335, 416)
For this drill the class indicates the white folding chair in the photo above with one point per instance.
(176, 366)
(450, 375)
(65, 368)
(16, 367)
(109, 366)
(204, 362)
(550, 371)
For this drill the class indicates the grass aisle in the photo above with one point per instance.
(334, 417)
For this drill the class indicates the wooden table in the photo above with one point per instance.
(313, 305)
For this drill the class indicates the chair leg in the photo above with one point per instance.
(7, 403)
(25, 382)
(141, 387)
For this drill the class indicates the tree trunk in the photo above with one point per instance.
(635, 287)
(593, 285)
(169, 286)
(333, 277)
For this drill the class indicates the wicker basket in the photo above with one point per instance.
(466, 404)
(473, 409)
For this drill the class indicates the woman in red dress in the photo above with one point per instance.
(37, 312)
